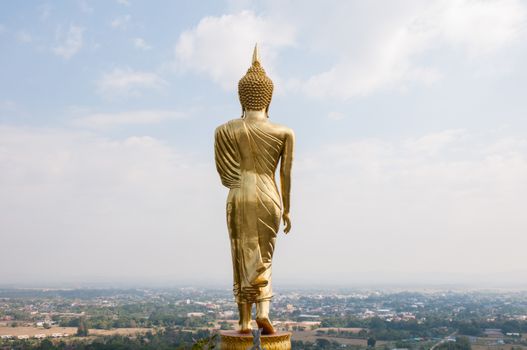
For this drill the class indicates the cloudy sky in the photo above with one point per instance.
(410, 119)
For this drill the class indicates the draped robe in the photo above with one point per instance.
(246, 159)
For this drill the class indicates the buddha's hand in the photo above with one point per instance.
(287, 222)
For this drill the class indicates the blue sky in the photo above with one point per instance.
(409, 118)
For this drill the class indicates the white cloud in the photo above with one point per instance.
(85, 7)
(121, 22)
(221, 47)
(384, 49)
(482, 27)
(71, 43)
(10, 109)
(465, 201)
(88, 196)
(44, 12)
(336, 116)
(434, 143)
(24, 37)
(108, 120)
(141, 197)
(7, 105)
(126, 82)
(124, 2)
(379, 47)
(141, 44)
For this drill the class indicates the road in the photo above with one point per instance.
(442, 340)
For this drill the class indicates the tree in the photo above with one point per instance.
(82, 329)
(322, 343)
(225, 326)
(46, 344)
(463, 343)
(207, 343)
(371, 342)
(377, 323)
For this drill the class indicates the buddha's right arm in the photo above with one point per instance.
(286, 164)
(225, 157)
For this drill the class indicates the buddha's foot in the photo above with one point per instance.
(265, 324)
(245, 318)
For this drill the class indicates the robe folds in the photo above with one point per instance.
(246, 159)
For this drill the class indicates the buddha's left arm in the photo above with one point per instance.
(286, 164)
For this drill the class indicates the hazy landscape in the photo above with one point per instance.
(319, 319)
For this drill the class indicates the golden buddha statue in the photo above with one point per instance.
(247, 153)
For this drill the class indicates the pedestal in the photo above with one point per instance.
(232, 340)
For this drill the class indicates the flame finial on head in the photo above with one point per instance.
(256, 54)
(255, 88)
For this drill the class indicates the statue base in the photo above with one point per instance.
(233, 340)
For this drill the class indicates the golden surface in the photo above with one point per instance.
(231, 340)
(247, 152)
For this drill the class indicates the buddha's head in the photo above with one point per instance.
(255, 89)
